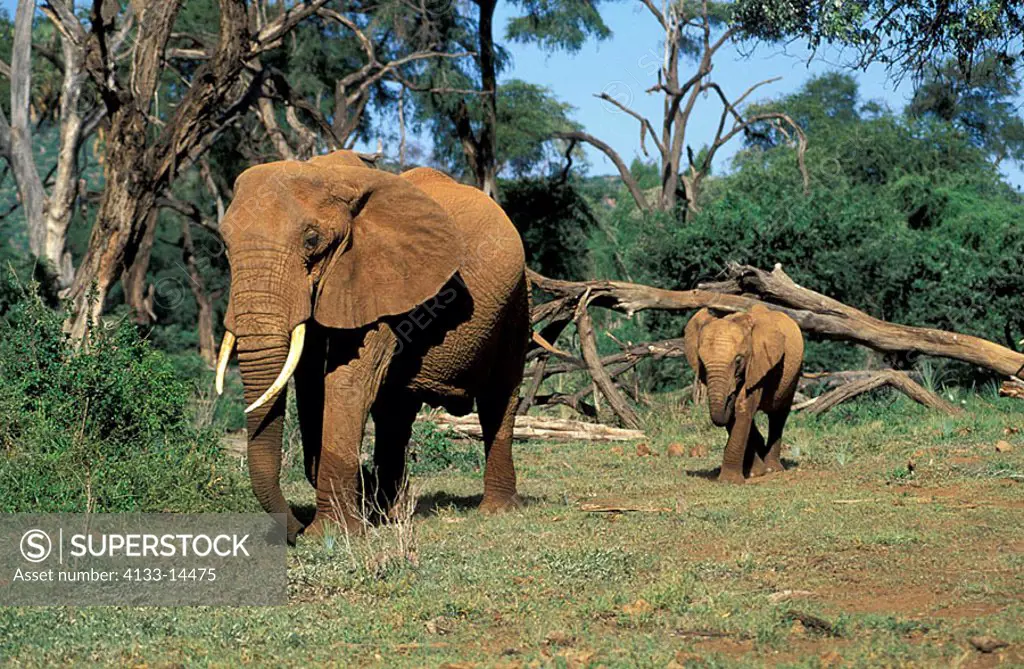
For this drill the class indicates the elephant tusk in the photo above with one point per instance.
(226, 347)
(290, 363)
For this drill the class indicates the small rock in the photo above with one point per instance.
(643, 450)
(558, 638)
(637, 607)
(987, 644)
(911, 466)
(1003, 446)
(439, 625)
(786, 595)
(699, 451)
(675, 451)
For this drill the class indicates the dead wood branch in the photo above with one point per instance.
(830, 380)
(815, 313)
(901, 381)
(832, 319)
(534, 427)
(588, 346)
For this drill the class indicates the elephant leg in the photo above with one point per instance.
(756, 451)
(354, 375)
(393, 416)
(309, 399)
(776, 423)
(735, 462)
(497, 418)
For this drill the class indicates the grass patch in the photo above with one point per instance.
(904, 570)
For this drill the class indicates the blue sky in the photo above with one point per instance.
(625, 65)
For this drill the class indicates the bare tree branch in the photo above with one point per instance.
(620, 165)
(645, 124)
(266, 38)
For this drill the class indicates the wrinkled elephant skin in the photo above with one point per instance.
(376, 293)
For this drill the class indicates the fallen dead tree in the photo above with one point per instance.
(535, 427)
(829, 380)
(745, 286)
(871, 381)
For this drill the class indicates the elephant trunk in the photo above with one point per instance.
(261, 359)
(720, 395)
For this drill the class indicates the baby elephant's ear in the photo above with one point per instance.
(769, 345)
(691, 335)
(403, 249)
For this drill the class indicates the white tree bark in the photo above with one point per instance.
(47, 217)
(17, 136)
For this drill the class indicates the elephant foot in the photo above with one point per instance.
(772, 465)
(494, 504)
(730, 476)
(758, 468)
(292, 529)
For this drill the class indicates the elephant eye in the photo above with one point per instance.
(311, 239)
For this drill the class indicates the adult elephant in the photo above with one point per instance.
(378, 293)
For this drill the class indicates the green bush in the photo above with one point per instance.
(434, 449)
(106, 427)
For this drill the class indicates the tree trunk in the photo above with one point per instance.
(134, 278)
(65, 189)
(136, 171)
(18, 135)
(128, 200)
(488, 152)
(207, 345)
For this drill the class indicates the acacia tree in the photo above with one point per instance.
(316, 99)
(468, 127)
(48, 214)
(980, 103)
(907, 36)
(697, 32)
(147, 148)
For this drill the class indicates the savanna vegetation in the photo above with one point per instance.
(895, 538)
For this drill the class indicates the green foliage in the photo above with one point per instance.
(527, 116)
(105, 427)
(980, 102)
(435, 449)
(557, 24)
(554, 220)
(904, 34)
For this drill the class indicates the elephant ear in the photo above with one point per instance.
(691, 336)
(402, 250)
(768, 343)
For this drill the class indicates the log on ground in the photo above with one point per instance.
(535, 427)
(901, 381)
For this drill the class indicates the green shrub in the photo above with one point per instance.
(107, 427)
(434, 449)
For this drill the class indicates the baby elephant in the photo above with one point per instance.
(748, 361)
